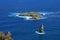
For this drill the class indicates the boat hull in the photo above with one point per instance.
(39, 32)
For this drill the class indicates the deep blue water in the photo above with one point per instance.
(25, 29)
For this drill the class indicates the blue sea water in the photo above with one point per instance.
(25, 29)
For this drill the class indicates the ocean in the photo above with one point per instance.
(23, 29)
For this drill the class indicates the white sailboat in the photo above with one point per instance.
(41, 30)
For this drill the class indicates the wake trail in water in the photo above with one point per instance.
(13, 14)
(54, 15)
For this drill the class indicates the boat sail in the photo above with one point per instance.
(41, 30)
